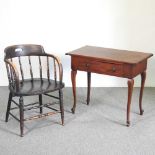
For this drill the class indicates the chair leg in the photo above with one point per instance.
(21, 110)
(8, 107)
(40, 103)
(61, 106)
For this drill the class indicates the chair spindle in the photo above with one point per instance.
(40, 67)
(31, 73)
(48, 71)
(55, 73)
(21, 68)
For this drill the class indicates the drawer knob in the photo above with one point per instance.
(113, 69)
(87, 65)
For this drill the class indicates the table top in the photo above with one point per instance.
(109, 54)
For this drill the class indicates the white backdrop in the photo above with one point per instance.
(64, 25)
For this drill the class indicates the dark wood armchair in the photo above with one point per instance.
(31, 71)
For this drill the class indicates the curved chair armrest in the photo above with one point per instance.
(15, 73)
(59, 65)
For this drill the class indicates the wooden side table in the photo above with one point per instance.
(114, 62)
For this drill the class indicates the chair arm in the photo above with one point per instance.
(15, 74)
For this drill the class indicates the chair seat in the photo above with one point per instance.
(37, 86)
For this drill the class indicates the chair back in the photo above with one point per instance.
(28, 61)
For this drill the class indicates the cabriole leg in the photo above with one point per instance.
(143, 77)
(130, 89)
(73, 77)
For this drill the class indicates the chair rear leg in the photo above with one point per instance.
(61, 105)
(8, 107)
(21, 110)
(40, 103)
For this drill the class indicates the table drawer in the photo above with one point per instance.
(98, 66)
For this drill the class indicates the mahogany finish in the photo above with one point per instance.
(39, 84)
(114, 62)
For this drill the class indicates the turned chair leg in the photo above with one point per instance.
(61, 105)
(8, 107)
(21, 111)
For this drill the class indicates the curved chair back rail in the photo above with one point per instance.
(23, 50)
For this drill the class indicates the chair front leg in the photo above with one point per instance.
(21, 111)
(8, 107)
(61, 105)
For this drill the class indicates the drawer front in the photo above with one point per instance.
(98, 66)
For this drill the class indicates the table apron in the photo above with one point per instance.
(107, 67)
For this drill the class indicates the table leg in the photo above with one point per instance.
(143, 77)
(73, 77)
(130, 89)
(88, 86)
